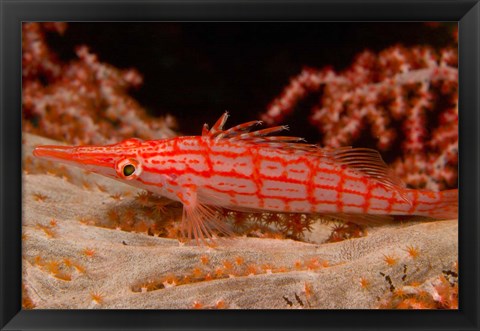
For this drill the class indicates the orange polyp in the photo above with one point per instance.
(390, 260)
(171, 279)
(423, 295)
(239, 260)
(298, 265)
(101, 188)
(197, 272)
(364, 283)
(79, 268)
(197, 305)
(400, 293)
(116, 196)
(413, 251)
(48, 232)
(251, 269)
(67, 262)
(204, 259)
(267, 268)
(97, 297)
(39, 197)
(143, 198)
(227, 265)
(89, 252)
(280, 269)
(39, 261)
(220, 304)
(52, 267)
(313, 264)
(219, 272)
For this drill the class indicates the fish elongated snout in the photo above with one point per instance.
(55, 152)
(92, 158)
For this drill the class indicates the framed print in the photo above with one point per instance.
(237, 165)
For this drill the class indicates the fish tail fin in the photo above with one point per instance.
(443, 206)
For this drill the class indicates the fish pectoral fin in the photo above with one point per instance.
(200, 221)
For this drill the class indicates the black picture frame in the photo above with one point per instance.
(466, 12)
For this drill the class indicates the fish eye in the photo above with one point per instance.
(128, 169)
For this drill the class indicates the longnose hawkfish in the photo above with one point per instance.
(245, 169)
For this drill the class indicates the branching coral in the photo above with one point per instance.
(403, 94)
(83, 101)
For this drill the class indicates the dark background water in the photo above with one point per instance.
(196, 71)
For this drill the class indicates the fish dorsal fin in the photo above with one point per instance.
(369, 162)
(247, 132)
